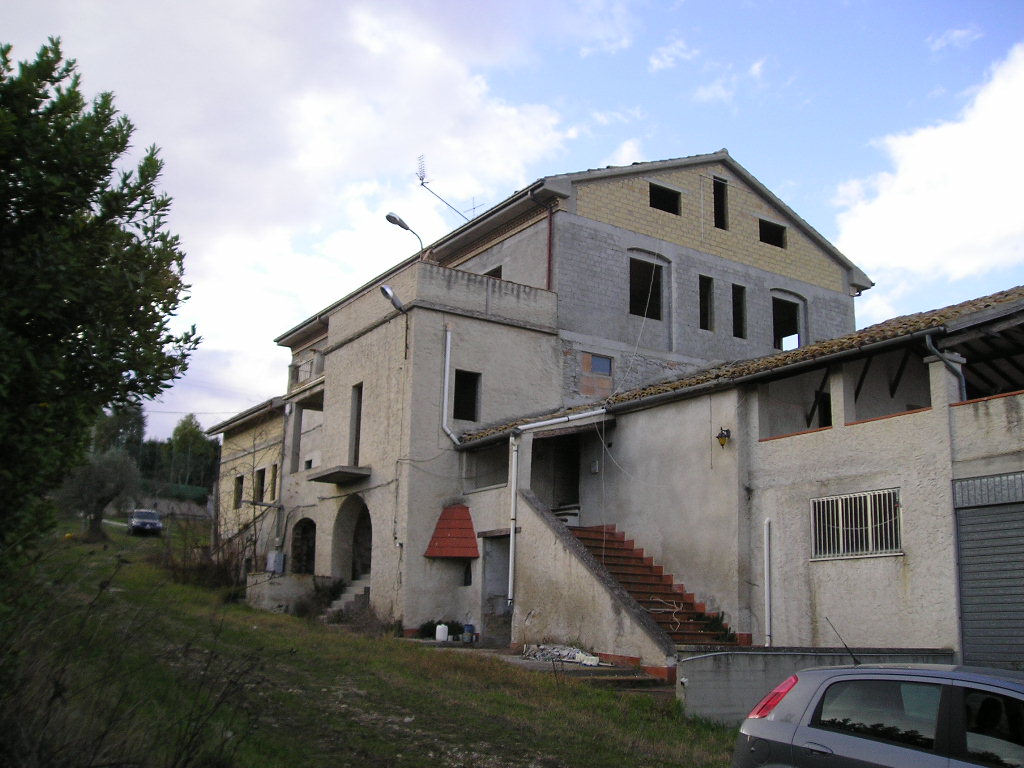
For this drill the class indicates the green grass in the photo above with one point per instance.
(243, 688)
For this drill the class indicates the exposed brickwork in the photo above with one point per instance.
(625, 202)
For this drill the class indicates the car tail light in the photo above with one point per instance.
(769, 702)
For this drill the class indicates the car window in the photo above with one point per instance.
(994, 727)
(143, 515)
(896, 711)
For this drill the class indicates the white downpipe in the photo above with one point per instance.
(768, 583)
(447, 366)
(513, 513)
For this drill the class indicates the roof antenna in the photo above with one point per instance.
(421, 174)
(856, 661)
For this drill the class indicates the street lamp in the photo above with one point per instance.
(395, 219)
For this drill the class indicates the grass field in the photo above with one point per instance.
(119, 664)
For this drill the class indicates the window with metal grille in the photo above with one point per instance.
(856, 524)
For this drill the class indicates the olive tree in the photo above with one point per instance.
(90, 278)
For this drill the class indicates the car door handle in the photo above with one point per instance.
(819, 749)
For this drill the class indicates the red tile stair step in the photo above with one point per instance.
(670, 605)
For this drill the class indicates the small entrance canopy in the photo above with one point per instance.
(453, 535)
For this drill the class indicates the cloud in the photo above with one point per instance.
(949, 208)
(954, 38)
(289, 133)
(609, 25)
(627, 153)
(721, 89)
(618, 116)
(667, 56)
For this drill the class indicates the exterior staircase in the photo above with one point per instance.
(360, 588)
(675, 610)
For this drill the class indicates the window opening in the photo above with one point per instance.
(486, 467)
(355, 423)
(856, 524)
(239, 489)
(467, 396)
(467, 573)
(665, 199)
(785, 324)
(720, 193)
(706, 290)
(645, 289)
(600, 365)
(304, 546)
(739, 311)
(260, 485)
(772, 233)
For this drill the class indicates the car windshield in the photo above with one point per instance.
(145, 514)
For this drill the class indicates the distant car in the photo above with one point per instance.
(887, 715)
(145, 522)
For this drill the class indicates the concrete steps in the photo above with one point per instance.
(675, 610)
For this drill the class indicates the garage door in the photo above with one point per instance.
(991, 543)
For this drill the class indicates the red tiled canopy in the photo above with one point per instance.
(453, 535)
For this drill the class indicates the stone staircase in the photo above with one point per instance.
(358, 589)
(675, 610)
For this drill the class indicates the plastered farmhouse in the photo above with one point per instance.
(628, 409)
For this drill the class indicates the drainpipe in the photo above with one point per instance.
(768, 583)
(514, 484)
(956, 370)
(447, 366)
(513, 442)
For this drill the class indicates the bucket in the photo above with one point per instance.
(441, 633)
(467, 633)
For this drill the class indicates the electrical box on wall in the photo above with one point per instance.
(275, 561)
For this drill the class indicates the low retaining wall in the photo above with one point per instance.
(724, 684)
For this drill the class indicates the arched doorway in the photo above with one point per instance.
(352, 541)
(304, 546)
(362, 545)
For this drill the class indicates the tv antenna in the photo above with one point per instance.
(421, 174)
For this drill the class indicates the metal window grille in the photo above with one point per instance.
(856, 524)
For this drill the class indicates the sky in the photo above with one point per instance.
(289, 129)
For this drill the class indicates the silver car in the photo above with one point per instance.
(145, 522)
(887, 715)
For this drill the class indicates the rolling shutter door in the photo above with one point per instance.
(991, 549)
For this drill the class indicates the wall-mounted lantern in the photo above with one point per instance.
(723, 436)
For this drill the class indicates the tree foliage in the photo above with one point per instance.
(89, 279)
(123, 427)
(104, 479)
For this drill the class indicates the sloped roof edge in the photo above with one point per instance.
(723, 375)
(251, 414)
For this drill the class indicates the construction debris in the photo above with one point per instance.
(562, 653)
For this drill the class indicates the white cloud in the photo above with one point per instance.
(722, 89)
(618, 116)
(756, 70)
(950, 206)
(954, 38)
(627, 153)
(667, 56)
(288, 133)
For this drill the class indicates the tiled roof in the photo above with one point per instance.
(453, 535)
(727, 372)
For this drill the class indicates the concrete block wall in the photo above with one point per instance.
(625, 203)
(724, 685)
(592, 283)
